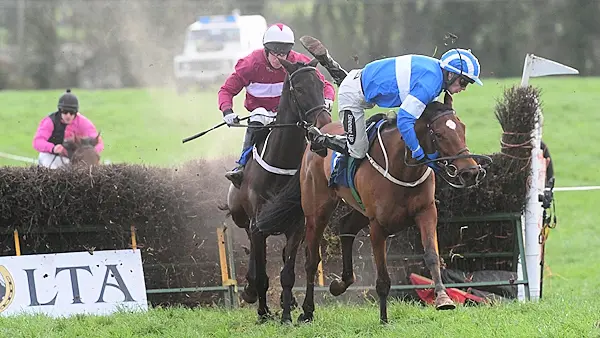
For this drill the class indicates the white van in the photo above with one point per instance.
(213, 45)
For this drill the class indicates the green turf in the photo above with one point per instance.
(146, 126)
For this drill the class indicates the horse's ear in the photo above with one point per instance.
(289, 66)
(96, 139)
(448, 99)
(314, 62)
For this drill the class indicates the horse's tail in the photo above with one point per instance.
(282, 211)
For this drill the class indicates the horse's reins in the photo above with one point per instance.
(302, 123)
(447, 161)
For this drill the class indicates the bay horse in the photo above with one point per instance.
(81, 150)
(275, 159)
(386, 198)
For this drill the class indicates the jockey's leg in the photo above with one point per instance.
(258, 117)
(318, 50)
(351, 105)
(236, 175)
(52, 161)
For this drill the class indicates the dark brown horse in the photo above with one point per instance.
(81, 151)
(395, 194)
(275, 160)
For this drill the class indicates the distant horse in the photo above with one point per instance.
(275, 159)
(387, 198)
(81, 151)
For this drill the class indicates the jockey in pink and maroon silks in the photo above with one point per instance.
(262, 75)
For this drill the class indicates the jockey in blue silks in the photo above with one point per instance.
(409, 82)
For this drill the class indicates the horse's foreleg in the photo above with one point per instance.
(427, 223)
(288, 275)
(383, 283)
(241, 219)
(249, 295)
(262, 280)
(350, 226)
(315, 225)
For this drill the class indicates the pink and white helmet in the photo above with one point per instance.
(278, 38)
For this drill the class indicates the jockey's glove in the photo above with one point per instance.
(421, 158)
(230, 117)
(328, 104)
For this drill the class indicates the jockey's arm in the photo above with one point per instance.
(410, 110)
(234, 84)
(408, 113)
(43, 133)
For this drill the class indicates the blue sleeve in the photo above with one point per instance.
(406, 125)
(412, 107)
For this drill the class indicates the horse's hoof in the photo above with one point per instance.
(264, 318)
(305, 318)
(337, 287)
(443, 302)
(249, 297)
(286, 320)
(383, 321)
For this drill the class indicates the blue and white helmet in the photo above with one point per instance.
(462, 62)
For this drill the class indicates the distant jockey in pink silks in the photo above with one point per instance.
(67, 122)
(262, 75)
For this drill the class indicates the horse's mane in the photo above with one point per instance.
(431, 110)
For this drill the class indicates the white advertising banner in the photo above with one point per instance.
(64, 284)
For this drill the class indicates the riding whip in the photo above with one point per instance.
(213, 128)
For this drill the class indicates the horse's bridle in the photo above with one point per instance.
(304, 114)
(447, 162)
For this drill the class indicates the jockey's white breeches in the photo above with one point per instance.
(262, 116)
(351, 98)
(52, 161)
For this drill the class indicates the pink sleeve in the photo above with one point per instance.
(235, 83)
(328, 90)
(43, 133)
(87, 129)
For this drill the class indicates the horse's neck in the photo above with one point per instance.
(396, 151)
(286, 143)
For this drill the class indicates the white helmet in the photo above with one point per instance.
(278, 38)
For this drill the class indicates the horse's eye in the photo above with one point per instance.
(438, 134)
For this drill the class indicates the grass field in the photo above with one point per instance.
(146, 126)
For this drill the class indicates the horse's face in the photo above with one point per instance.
(82, 150)
(306, 90)
(447, 136)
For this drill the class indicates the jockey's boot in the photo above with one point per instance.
(318, 50)
(333, 142)
(236, 176)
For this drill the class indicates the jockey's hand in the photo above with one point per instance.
(230, 117)
(59, 150)
(328, 104)
(433, 165)
(419, 155)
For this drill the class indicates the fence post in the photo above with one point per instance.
(17, 242)
(133, 238)
(225, 280)
(233, 288)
